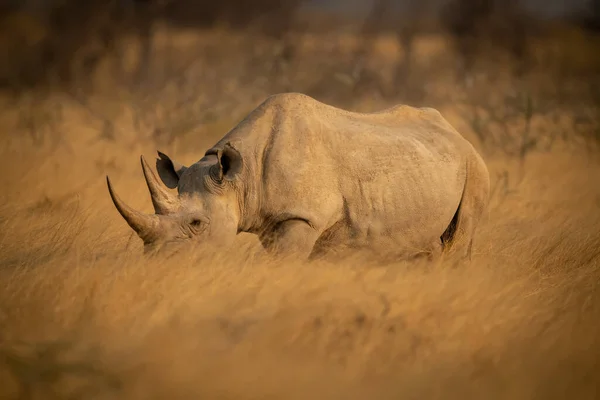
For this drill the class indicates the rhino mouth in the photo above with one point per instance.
(148, 226)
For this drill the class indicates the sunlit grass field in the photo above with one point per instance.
(83, 314)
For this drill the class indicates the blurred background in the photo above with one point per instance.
(179, 67)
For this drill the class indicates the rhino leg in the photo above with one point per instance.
(432, 252)
(292, 237)
(435, 251)
(458, 238)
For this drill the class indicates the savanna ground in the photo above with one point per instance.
(84, 315)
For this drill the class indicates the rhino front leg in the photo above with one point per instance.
(291, 237)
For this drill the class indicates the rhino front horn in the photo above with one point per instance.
(146, 226)
(162, 200)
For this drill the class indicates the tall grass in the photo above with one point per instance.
(83, 314)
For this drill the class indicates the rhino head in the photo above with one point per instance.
(206, 208)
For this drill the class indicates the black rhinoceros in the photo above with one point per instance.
(307, 177)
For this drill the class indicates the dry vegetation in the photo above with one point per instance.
(84, 315)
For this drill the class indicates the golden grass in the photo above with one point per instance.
(82, 310)
(84, 315)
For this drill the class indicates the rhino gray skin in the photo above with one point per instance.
(308, 178)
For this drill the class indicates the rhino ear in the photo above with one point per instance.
(168, 170)
(229, 163)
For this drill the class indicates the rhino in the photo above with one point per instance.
(308, 178)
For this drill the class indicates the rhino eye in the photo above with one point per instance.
(196, 223)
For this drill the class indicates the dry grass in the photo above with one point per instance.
(84, 315)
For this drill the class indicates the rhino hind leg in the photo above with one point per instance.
(450, 232)
(458, 237)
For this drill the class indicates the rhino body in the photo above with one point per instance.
(309, 178)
